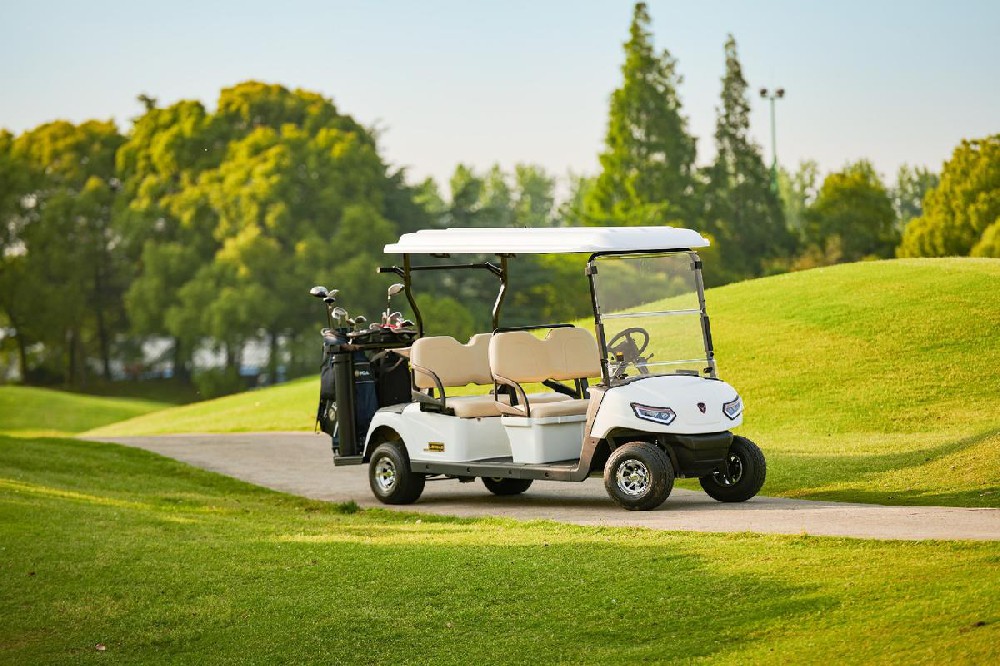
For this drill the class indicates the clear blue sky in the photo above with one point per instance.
(518, 81)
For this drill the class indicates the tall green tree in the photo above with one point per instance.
(534, 198)
(647, 166)
(912, 185)
(466, 189)
(165, 235)
(232, 211)
(798, 191)
(572, 212)
(13, 189)
(853, 214)
(743, 212)
(961, 216)
(496, 204)
(63, 283)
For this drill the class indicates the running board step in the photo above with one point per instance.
(340, 461)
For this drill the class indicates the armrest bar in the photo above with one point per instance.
(522, 398)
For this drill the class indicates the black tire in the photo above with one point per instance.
(639, 476)
(747, 471)
(390, 477)
(504, 487)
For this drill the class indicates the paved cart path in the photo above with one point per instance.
(300, 463)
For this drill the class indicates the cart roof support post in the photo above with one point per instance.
(503, 291)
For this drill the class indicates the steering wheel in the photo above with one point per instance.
(627, 346)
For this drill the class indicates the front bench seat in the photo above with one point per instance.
(441, 362)
(518, 357)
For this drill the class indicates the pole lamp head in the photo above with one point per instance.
(780, 92)
(763, 92)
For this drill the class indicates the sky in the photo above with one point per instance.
(448, 81)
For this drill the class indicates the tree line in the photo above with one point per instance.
(204, 228)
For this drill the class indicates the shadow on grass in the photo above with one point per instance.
(987, 498)
(869, 478)
(449, 595)
(580, 602)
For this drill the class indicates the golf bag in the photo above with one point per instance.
(392, 378)
(346, 387)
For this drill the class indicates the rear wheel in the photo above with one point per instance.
(744, 477)
(503, 486)
(639, 476)
(390, 477)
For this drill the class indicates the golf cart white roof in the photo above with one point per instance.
(473, 240)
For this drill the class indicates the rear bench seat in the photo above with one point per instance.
(518, 357)
(441, 362)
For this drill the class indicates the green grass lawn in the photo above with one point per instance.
(163, 563)
(28, 411)
(871, 382)
(290, 406)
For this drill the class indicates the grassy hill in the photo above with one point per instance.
(866, 382)
(291, 406)
(35, 411)
(872, 381)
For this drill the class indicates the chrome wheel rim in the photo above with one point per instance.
(633, 478)
(385, 474)
(735, 472)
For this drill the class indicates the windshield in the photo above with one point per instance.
(650, 308)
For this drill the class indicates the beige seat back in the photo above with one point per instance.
(564, 353)
(454, 364)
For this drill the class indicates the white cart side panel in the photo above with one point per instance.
(545, 440)
(431, 437)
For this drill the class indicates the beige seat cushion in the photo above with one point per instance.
(474, 406)
(562, 408)
(454, 364)
(479, 406)
(564, 353)
(539, 398)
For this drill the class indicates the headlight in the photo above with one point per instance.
(733, 408)
(663, 415)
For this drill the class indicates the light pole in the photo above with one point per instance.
(772, 95)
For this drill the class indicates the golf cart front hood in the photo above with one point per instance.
(687, 405)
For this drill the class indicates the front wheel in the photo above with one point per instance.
(503, 486)
(744, 477)
(639, 476)
(390, 477)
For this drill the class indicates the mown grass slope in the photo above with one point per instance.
(870, 382)
(27, 410)
(290, 406)
(865, 382)
(160, 562)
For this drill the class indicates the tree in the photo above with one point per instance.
(534, 197)
(13, 278)
(798, 191)
(572, 211)
(743, 212)
(647, 165)
(61, 284)
(230, 212)
(466, 195)
(912, 185)
(496, 201)
(427, 196)
(962, 214)
(159, 165)
(853, 212)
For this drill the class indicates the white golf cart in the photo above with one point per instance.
(657, 410)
